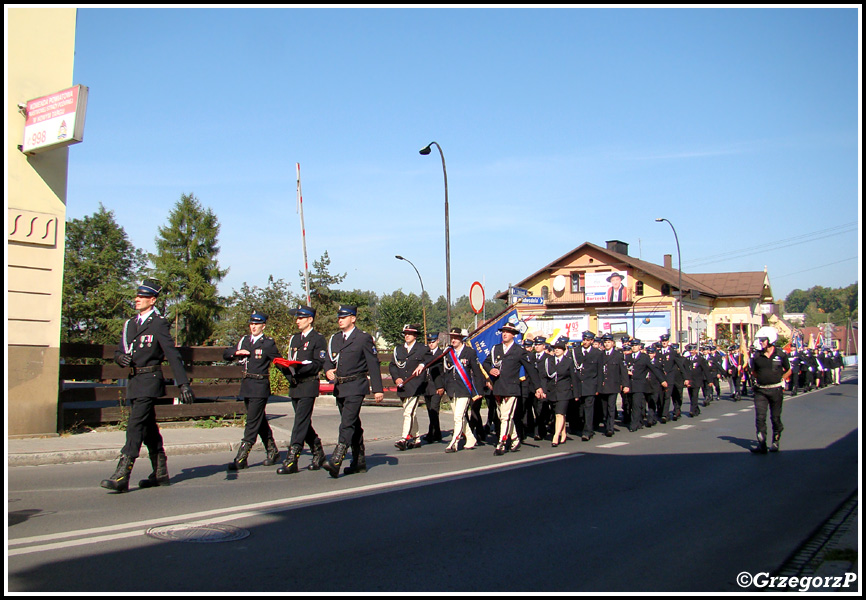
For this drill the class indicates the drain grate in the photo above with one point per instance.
(201, 534)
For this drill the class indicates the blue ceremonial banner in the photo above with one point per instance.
(483, 341)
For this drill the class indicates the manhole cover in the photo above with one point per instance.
(203, 534)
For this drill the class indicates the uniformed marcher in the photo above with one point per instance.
(770, 367)
(434, 389)
(794, 361)
(144, 344)
(309, 347)
(614, 379)
(503, 364)
(408, 361)
(733, 366)
(697, 375)
(463, 381)
(353, 363)
(838, 362)
(586, 359)
(642, 367)
(255, 352)
(559, 371)
(540, 406)
(669, 360)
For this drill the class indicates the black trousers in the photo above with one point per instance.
(257, 421)
(476, 424)
(433, 403)
(768, 398)
(302, 430)
(142, 428)
(351, 432)
(677, 398)
(637, 400)
(542, 417)
(587, 404)
(694, 406)
(608, 406)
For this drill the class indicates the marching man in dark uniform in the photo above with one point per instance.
(613, 380)
(352, 362)
(255, 352)
(503, 364)
(667, 356)
(462, 379)
(586, 360)
(642, 366)
(697, 375)
(433, 390)
(409, 361)
(310, 348)
(145, 343)
(770, 368)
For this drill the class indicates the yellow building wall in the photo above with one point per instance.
(36, 217)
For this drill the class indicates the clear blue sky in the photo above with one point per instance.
(559, 126)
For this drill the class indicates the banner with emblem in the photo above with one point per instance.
(483, 340)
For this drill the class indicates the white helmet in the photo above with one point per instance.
(769, 333)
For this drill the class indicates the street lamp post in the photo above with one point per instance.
(425, 151)
(680, 280)
(423, 308)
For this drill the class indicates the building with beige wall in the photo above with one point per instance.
(36, 216)
(714, 305)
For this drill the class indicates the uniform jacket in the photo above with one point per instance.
(257, 363)
(357, 358)
(586, 370)
(508, 381)
(454, 386)
(697, 370)
(560, 377)
(149, 345)
(613, 373)
(313, 348)
(433, 376)
(403, 364)
(643, 366)
(669, 359)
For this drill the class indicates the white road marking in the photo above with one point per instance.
(730, 414)
(708, 420)
(684, 427)
(136, 528)
(654, 435)
(613, 445)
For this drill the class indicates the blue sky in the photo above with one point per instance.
(559, 126)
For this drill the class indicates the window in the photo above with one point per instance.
(544, 292)
(638, 288)
(666, 289)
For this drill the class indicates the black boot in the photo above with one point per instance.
(291, 463)
(318, 455)
(333, 464)
(775, 446)
(160, 471)
(240, 461)
(359, 461)
(273, 453)
(762, 446)
(119, 481)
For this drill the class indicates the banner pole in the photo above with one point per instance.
(303, 236)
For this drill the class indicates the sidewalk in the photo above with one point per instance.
(380, 422)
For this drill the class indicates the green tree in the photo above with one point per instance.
(186, 263)
(396, 310)
(99, 271)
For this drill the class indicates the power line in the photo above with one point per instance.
(742, 252)
(818, 267)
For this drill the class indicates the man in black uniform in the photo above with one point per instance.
(462, 379)
(503, 364)
(586, 361)
(310, 348)
(770, 368)
(352, 362)
(409, 360)
(434, 388)
(642, 366)
(255, 352)
(540, 406)
(145, 343)
(794, 362)
(697, 375)
(613, 380)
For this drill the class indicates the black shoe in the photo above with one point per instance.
(761, 449)
(359, 461)
(273, 453)
(319, 457)
(500, 450)
(160, 472)
(290, 465)
(119, 481)
(400, 445)
(240, 461)
(332, 465)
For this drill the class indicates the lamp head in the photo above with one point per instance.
(398, 257)
(659, 220)
(425, 150)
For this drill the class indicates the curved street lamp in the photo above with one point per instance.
(425, 151)
(680, 281)
(423, 308)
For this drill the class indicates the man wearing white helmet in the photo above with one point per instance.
(770, 368)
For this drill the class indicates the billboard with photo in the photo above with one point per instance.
(610, 286)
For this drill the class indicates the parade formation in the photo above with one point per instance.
(535, 390)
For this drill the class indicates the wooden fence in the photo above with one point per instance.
(92, 394)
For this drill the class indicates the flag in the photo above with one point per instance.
(483, 340)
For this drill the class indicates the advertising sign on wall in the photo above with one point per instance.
(646, 326)
(55, 120)
(607, 287)
(556, 326)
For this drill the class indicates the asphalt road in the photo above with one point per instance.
(684, 511)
